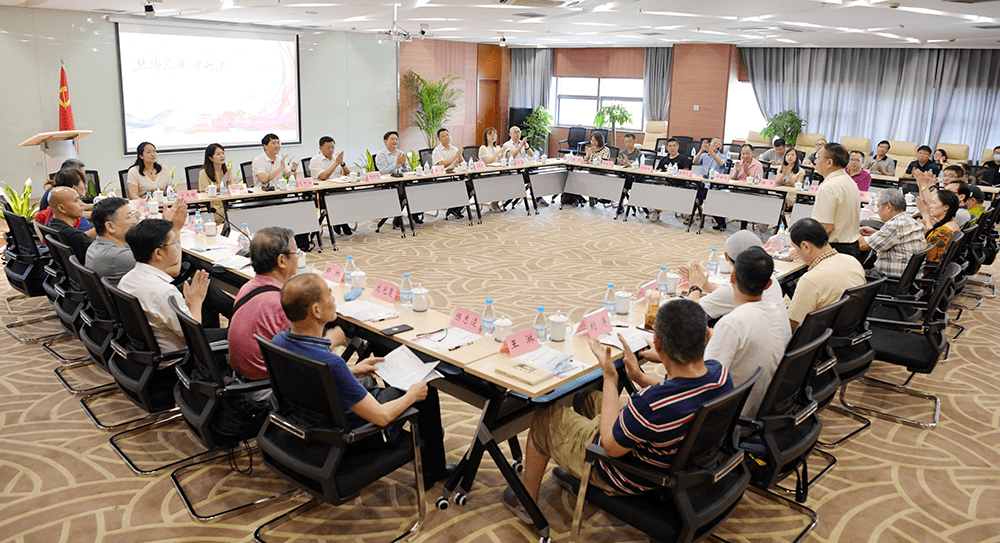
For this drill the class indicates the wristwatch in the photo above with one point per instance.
(694, 288)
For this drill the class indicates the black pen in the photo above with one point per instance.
(462, 345)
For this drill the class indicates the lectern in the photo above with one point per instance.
(56, 147)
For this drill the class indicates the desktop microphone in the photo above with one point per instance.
(241, 252)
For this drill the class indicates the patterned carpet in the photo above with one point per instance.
(61, 481)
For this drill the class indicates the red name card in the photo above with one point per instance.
(237, 190)
(520, 343)
(607, 164)
(467, 320)
(384, 290)
(646, 168)
(643, 289)
(769, 183)
(437, 170)
(813, 188)
(864, 195)
(595, 323)
(333, 273)
(304, 183)
(373, 176)
(684, 173)
(187, 195)
(519, 162)
(479, 166)
(576, 159)
(721, 178)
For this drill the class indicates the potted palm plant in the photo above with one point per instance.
(434, 99)
(787, 124)
(616, 116)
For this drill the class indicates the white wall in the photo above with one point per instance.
(347, 91)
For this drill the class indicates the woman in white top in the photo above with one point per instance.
(146, 175)
(490, 153)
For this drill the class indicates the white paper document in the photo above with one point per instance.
(402, 368)
(365, 311)
(234, 262)
(450, 338)
(635, 338)
(547, 358)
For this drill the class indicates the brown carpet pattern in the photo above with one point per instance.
(60, 481)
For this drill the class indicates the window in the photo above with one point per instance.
(578, 99)
(742, 112)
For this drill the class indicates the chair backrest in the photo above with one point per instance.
(305, 167)
(815, 323)
(60, 255)
(938, 301)
(47, 230)
(191, 176)
(987, 155)
(123, 181)
(857, 144)
(199, 349)
(100, 301)
(133, 319)
(791, 378)
(614, 152)
(904, 285)
(21, 230)
(247, 169)
(755, 139)
(858, 303)
(661, 142)
(427, 156)
(470, 151)
(302, 386)
(578, 134)
(806, 142)
(95, 178)
(682, 143)
(903, 152)
(956, 152)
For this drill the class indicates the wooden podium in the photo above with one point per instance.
(56, 147)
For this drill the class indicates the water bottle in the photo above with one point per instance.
(713, 263)
(472, 165)
(245, 237)
(490, 318)
(661, 281)
(805, 183)
(427, 168)
(349, 268)
(406, 291)
(783, 237)
(756, 178)
(171, 195)
(541, 324)
(197, 224)
(609, 299)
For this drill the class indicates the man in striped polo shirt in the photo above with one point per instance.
(650, 425)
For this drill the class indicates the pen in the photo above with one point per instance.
(428, 334)
(462, 345)
(386, 318)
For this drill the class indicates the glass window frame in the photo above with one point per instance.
(599, 98)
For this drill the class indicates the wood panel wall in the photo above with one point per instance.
(599, 62)
(699, 76)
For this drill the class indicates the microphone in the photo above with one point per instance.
(241, 252)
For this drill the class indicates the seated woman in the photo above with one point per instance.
(597, 150)
(490, 153)
(941, 157)
(214, 170)
(71, 177)
(146, 175)
(790, 173)
(937, 209)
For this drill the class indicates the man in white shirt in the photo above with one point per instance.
(755, 333)
(838, 203)
(718, 300)
(269, 166)
(446, 155)
(516, 147)
(392, 159)
(157, 251)
(324, 166)
(776, 154)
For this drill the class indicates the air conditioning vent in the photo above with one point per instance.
(110, 10)
(542, 3)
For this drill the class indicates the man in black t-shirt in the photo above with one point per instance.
(67, 207)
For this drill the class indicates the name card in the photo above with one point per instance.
(142, 207)
(769, 183)
(373, 176)
(646, 168)
(596, 323)
(684, 173)
(721, 178)
(773, 244)
(520, 343)
(479, 166)
(576, 159)
(864, 195)
(237, 190)
(645, 288)
(813, 188)
(333, 273)
(187, 195)
(519, 162)
(437, 170)
(384, 290)
(234, 237)
(304, 183)
(607, 164)
(467, 320)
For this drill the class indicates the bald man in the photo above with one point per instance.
(67, 207)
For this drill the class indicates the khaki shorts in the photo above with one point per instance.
(564, 434)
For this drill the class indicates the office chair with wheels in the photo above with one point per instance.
(70, 304)
(427, 157)
(98, 328)
(576, 135)
(470, 151)
(25, 271)
(308, 440)
(305, 166)
(246, 168)
(123, 181)
(824, 381)
(703, 485)
(191, 176)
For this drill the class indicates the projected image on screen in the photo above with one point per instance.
(184, 89)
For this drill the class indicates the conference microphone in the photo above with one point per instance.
(241, 252)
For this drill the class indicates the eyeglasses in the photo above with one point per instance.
(130, 216)
(175, 243)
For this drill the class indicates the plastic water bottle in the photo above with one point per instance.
(541, 324)
(427, 168)
(756, 178)
(713, 263)
(471, 164)
(490, 318)
(171, 195)
(197, 224)
(406, 291)
(245, 237)
(609, 299)
(783, 237)
(661, 281)
(349, 268)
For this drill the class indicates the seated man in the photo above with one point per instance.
(448, 156)
(325, 165)
(755, 333)
(649, 426)
(962, 217)
(711, 159)
(630, 156)
(830, 273)
(109, 256)
(899, 237)
(922, 163)
(991, 173)
(674, 157)
(157, 251)
(776, 154)
(879, 163)
(268, 166)
(309, 306)
(67, 207)
(953, 173)
(718, 300)
(811, 159)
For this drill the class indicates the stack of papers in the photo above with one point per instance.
(447, 339)
(365, 311)
(234, 262)
(635, 338)
(548, 359)
(402, 369)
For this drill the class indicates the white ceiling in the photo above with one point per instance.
(794, 23)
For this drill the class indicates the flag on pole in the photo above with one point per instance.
(65, 109)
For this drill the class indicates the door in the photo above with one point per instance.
(488, 114)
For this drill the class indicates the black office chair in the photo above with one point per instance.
(982, 249)
(93, 177)
(917, 346)
(246, 168)
(71, 301)
(191, 176)
(305, 166)
(786, 428)
(576, 135)
(615, 151)
(217, 405)
(703, 485)
(98, 328)
(308, 441)
(427, 157)
(123, 181)
(824, 381)
(470, 151)
(582, 146)
(25, 271)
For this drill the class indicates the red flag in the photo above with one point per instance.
(65, 109)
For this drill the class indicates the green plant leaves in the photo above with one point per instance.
(434, 100)
(786, 124)
(537, 127)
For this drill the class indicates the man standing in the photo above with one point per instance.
(630, 156)
(829, 275)
(67, 207)
(325, 166)
(446, 155)
(899, 237)
(776, 154)
(755, 333)
(711, 158)
(923, 163)
(838, 203)
(268, 166)
(880, 163)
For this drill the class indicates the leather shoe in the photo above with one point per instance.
(430, 479)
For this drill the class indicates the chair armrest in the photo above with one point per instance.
(221, 346)
(370, 429)
(646, 471)
(250, 386)
(889, 323)
(837, 341)
(563, 141)
(896, 302)
(326, 435)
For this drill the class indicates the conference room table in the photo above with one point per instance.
(469, 371)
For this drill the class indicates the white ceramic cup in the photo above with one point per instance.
(211, 229)
(672, 281)
(212, 191)
(421, 299)
(158, 195)
(623, 301)
(153, 206)
(282, 184)
(358, 278)
(798, 185)
(558, 327)
(503, 330)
